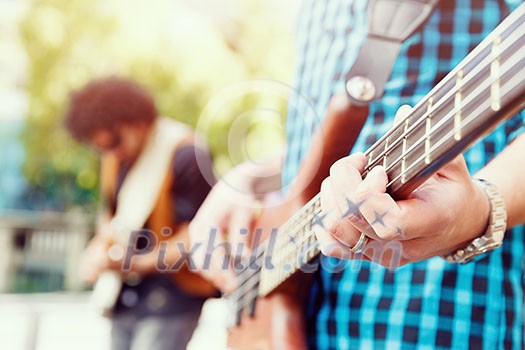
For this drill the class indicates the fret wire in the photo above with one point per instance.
(286, 254)
(245, 290)
(385, 152)
(261, 249)
(314, 203)
(308, 234)
(468, 120)
(495, 71)
(245, 269)
(293, 221)
(306, 238)
(470, 97)
(295, 232)
(457, 106)
(370, 156)
(438, 104)
(303, 240)
(512, 19)
(311, 250)
(307, 224)
(255, 276)
(258, 260)
(446, 98)
(403, 154)
(428, 128)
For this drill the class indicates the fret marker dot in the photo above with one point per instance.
(287, 267)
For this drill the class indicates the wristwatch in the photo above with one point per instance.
(493, 236)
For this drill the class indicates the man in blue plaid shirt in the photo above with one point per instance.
(429, 303)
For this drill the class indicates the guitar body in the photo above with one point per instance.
(193, 284)
(160, 216)
(278, 324)
(278, 321)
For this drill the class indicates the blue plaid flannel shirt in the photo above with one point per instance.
(426, 305)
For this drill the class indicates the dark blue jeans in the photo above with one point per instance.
(153, 333)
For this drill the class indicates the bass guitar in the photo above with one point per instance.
(485, 89)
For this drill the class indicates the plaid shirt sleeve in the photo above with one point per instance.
(430, 304)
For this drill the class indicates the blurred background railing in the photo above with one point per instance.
(42, 305)
(43, 302)
(40, 251)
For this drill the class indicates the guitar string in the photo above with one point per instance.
(308, 234)
(398, 142)
(471, 118)
(484, 64)
(258, 253)
(304, 238)
(469, 99)
(469, 59)
(261, 249)
(257, 272)
(303, 227)
(299, 223)
(295, 228)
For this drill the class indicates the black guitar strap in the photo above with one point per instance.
(390, 23)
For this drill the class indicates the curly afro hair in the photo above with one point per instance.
(106, 104)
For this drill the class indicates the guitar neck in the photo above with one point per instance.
(486, 88)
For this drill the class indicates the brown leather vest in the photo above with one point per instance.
(160, 218)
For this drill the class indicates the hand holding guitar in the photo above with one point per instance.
(223, 225)
(241, 195)
(95, 258)
(442, 215)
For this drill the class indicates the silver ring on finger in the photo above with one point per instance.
(359, 247)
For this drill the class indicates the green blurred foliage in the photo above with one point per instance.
(183, 60)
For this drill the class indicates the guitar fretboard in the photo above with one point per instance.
(487, 87)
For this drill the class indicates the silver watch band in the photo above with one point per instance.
(493, 236)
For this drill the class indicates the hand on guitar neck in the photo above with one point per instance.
(234, 207)
(105, 253)
(442, 215)
(95, 258)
